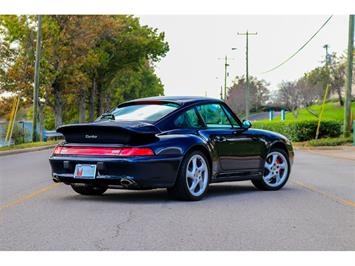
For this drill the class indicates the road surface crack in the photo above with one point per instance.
(99, 244)
(120, 225)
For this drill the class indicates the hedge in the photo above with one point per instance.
(302, 130)
(329, 141)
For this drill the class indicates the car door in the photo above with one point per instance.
(238, 150)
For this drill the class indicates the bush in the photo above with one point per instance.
(329, 141)
(302, 130)
(19, 134)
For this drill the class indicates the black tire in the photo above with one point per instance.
(88, 190)
(262, 185)
(180, 189)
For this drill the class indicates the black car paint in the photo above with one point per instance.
(234, 154)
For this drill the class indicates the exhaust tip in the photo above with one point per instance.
(127, 182)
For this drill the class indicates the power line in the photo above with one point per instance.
(304, 45)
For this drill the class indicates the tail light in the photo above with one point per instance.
(102, 151)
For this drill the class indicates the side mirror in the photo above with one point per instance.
(246, 124)
(107, 116)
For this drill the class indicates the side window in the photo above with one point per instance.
(214, 116)
(231, 118)
(188, 119)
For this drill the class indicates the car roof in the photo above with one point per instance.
(181, 100)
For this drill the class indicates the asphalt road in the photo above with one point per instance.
(314, 211)
(263, 116)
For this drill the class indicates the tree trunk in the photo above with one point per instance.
(58, 104)
(339, 96)
(100, 101)
(92, 101)
(107, 102)
(82, 104)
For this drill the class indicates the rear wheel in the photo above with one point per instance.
(193, 178)
(276, 171)
(88, 189)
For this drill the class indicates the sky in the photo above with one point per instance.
(198, 43)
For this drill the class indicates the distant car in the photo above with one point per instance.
(179, 143)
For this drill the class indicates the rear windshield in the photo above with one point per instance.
(144, 112)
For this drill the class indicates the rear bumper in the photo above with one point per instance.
(144, 172)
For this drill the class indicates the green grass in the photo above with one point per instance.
(29, 145)
(332, 111)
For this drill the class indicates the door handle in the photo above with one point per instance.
(220, 138)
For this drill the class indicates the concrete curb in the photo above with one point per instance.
(322, 148)
(40, 148)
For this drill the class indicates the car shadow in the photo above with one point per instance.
(161, 195)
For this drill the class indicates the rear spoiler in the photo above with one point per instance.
(108, 132)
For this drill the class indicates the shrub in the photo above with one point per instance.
(329, 141)
(302, 130)
(19, 133)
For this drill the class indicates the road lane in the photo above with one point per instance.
(329, 174)
(22, 174)
(234, 216)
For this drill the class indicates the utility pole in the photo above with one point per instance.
(36, 79)
(326, 88)
(221, 93)
(349, 71)
(225, 77)
(247, 71)
(226, 65)
(327, 55)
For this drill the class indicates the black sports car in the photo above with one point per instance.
(179, 143)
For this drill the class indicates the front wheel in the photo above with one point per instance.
(276, 171)
(193, 178)
(88, 189)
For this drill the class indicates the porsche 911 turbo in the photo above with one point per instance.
(179, 143)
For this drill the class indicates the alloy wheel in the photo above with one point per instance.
(197, 175)
(276, 169)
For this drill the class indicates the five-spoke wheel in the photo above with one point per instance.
(197, 175)
(193, 178)
(276, 171)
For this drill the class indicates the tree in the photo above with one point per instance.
(16, 54)
(86, 61)
(289, 96)
(310, 88)
(332, 74)
(132, 83)
(134, 46)
(337, 76)
(259, 94)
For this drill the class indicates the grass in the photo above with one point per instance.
(29, 145)
(324, 142)
(332, 111)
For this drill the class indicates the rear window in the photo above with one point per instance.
(144, 112)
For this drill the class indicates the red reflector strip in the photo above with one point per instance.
(105, 151)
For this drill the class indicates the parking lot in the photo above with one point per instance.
(314, 211)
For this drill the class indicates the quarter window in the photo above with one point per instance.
(214, 116)
(188, 119)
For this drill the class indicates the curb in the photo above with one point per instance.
(40, 148)
(322, 148)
